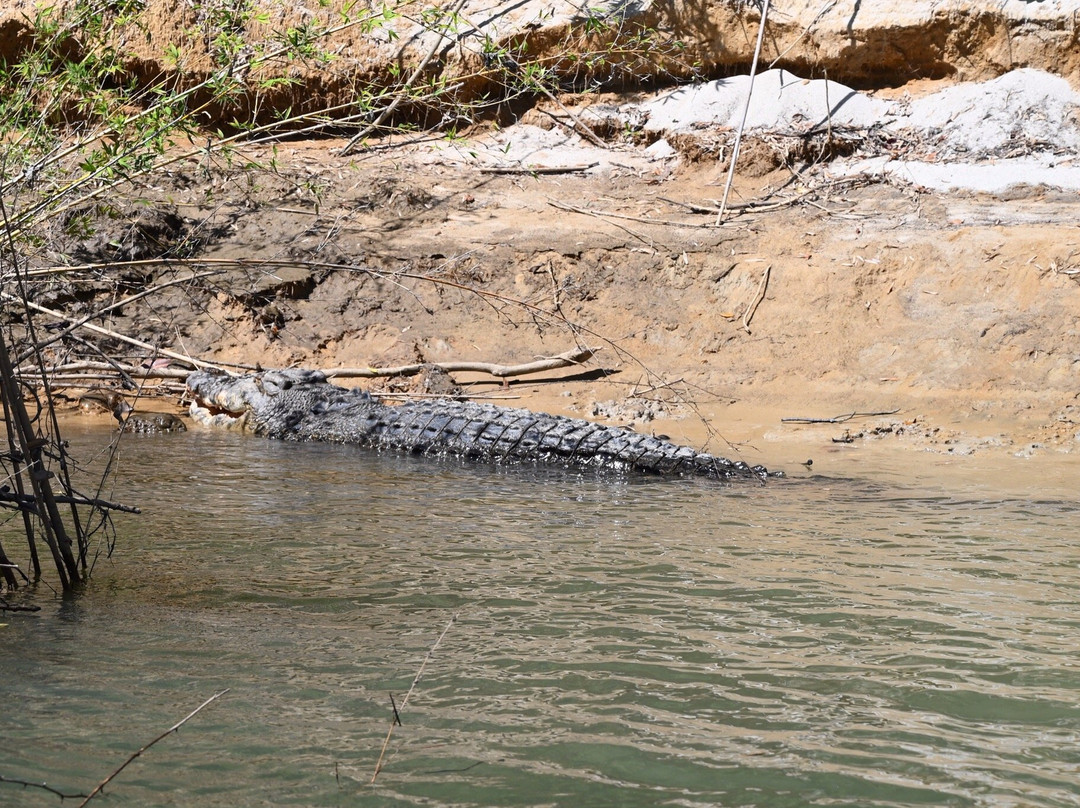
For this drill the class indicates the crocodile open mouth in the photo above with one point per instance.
(214, 404)
(210, 414)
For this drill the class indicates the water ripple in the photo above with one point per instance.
(618, 641)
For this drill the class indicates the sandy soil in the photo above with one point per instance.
(954, 318)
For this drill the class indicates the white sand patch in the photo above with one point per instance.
(781, 102)
(1025, 109)
(1021, 129)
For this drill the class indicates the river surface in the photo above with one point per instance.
(889, 641)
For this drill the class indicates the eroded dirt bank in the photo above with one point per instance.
(956, 315)
(953, 317)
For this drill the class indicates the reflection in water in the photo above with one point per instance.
(619, 641)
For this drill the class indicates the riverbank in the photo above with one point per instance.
(837, 296)
(953, 316)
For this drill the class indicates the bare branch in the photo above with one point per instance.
(134, 755)
(569, 358)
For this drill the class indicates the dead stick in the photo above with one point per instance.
(396, 720)
(28, 500)
(74, 368)
(569, 358)
(27, 783)
(643, 219)
(607, 217)
(757, 300)
(174, 728)
(746, 111)
(405, 88)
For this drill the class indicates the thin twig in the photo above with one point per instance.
(45, 786)
(404, 91)
(824, 10)
(575, 209)
(838, 419)
(746, 111)
(174, 728)
(396, 720)
(643, 219)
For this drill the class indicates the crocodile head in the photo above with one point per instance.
(243, 402)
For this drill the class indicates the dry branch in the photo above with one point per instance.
(838, 419)
(746, 111)
(537, 169)
(566, 359)
(31, 784)
(97, 370)
(404, 91)
(29, 501)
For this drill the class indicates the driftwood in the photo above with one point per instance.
(567, 359)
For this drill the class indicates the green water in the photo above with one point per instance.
(616, 642)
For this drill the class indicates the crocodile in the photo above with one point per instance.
(302, 405)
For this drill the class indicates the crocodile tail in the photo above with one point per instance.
(505, 434)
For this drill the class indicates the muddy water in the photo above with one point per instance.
(880, 640)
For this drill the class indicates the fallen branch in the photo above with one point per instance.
(839, 419)
(174, 728)
(757, 299)
(396, 720)
(567, 359)
(90, 367)
(537, 169)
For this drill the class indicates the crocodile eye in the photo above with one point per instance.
(287, 384)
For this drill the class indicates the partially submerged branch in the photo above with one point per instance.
(131, 758)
